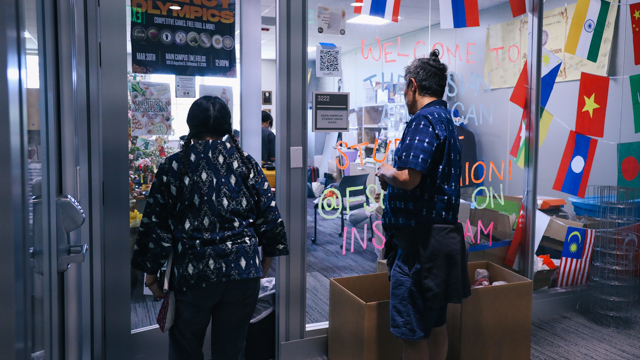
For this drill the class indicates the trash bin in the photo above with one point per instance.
(261, 337)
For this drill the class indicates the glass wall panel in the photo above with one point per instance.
(590, 151)
(484, 63)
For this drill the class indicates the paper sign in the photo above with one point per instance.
(223, 92)
(330, 111)
(542, 221)
(185, 86)
(150, 108)
(331, 20)
(329, 61)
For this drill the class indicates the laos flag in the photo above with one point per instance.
(575, 166)
(386, 9)
(459, 14)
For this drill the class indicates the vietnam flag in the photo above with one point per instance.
(634, 10)
(575, 166)
(592, 104)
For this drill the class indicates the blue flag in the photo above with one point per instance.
(574, 243)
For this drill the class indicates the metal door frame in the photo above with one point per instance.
(13, 335)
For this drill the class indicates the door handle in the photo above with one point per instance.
(69, 218)
(75, 254)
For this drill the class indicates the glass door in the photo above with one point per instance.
(41, 192)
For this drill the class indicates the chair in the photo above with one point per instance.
(346, 182)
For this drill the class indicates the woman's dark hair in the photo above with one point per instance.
(209, 116)
(266, 117)
(430, 75)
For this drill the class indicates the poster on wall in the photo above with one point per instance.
(150, 108)
(328, 61)
(195, 40)
(507, 44)
(331, 20)
(223, 92)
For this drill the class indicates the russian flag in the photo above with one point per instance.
(386, 9)
(575, 166)
(459, 14)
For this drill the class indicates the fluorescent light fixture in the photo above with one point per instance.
(368, 20)
(356, 4)
(311, 49)
(175, 7)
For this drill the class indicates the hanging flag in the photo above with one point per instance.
(549, 69)
(459, 14)
(575, 166)
(545, 123)
(634, 11)
(519, 94)
(592, 104)
(587, 28)
(634, 84)
(386, 9)
(629, 164)
(518, 236)
(576, 256)
(519, 144)
(518, 7)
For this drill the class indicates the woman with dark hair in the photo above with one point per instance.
(211, 206)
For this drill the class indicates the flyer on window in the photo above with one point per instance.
(183, 38)
(150, 108)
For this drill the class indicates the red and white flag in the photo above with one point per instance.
(574, 269)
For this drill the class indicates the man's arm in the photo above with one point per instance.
(404, 178)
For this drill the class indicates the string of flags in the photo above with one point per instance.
(385, 9)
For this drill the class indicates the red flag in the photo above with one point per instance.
(634, 11)
(592, 104)
(517, 238)
(519, 94)
(518, 7)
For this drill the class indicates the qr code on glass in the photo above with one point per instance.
(329, 60)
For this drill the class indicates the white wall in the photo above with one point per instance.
(494, 139)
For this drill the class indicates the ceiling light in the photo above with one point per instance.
(311, 49)
(368, 20)
(26, 34)
(356, 4)
(175, 7)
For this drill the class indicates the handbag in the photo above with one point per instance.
(168, 308)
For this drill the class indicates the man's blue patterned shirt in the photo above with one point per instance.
(430, 145)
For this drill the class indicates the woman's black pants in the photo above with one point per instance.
(228, 305)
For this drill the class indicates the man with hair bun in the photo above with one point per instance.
(425, 251)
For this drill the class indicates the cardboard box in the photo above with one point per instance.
(495, 322)
(542, 278)
(495, 253)
(359, 319)
(556, 232)
(502, 223)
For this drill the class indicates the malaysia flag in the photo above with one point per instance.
(575, 166)
(459, 14)
(576, 256)
(386, 9)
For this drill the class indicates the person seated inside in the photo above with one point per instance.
(268, 139)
